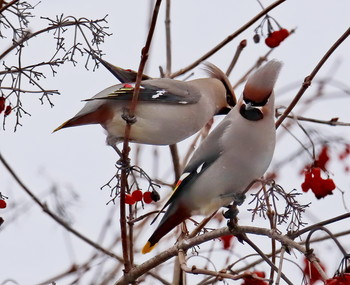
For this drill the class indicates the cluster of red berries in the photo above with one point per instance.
(250, 280)
(319, 186)
(276, 37)
(343, 279)
(138, 196)
(3, 107)
(313, 180)
(275, 33)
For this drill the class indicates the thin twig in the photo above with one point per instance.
(126, 148)
(318, 225)
(266, 259)
(168, 37)
(228, 39)
(308, 79)
(278, 278)
(5, 7)
(201, 225)
(195, 270)
(272, 220)
(332, 122)
(46, 210)
(238, 52)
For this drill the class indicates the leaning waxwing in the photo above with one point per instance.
(236, 152)
(168, 111)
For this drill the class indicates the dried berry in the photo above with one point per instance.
(256, 38)
(155, 196)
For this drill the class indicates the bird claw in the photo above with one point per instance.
(239, 198)
(121, 163)
(231, 213)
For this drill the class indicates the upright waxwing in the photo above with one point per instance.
(235, 153)
(168, 110)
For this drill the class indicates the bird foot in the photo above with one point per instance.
(231, 213)
(239, 198)
(121, 163)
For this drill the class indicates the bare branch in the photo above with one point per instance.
(309, 78)
(227, 40)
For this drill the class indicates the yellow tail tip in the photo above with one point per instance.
(60, 127)
(148, 247)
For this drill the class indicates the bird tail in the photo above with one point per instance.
(98, 116)
(172, 218)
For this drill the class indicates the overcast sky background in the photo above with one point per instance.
(33, 247)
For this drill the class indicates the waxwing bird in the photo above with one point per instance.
(168, 110)
(235, 153)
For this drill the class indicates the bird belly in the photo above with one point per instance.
(160, 124)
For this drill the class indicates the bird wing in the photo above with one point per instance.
(162, 90)
(209, 151)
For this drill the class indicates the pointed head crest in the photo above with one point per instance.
(260, 84)
(215, 72)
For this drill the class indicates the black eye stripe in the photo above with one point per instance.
(251, 114)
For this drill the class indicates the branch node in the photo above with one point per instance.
(130, 120)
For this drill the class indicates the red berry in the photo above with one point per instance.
(283, 33)
(227, 241)
(260, 274)
(250, 280)
(147, 197)
(3, 204)
(2, 104)
(275, 35)
(8, 110)
(272, 42)
(137, 195)
(129, 199)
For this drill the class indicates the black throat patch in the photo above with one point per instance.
(251, 113)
